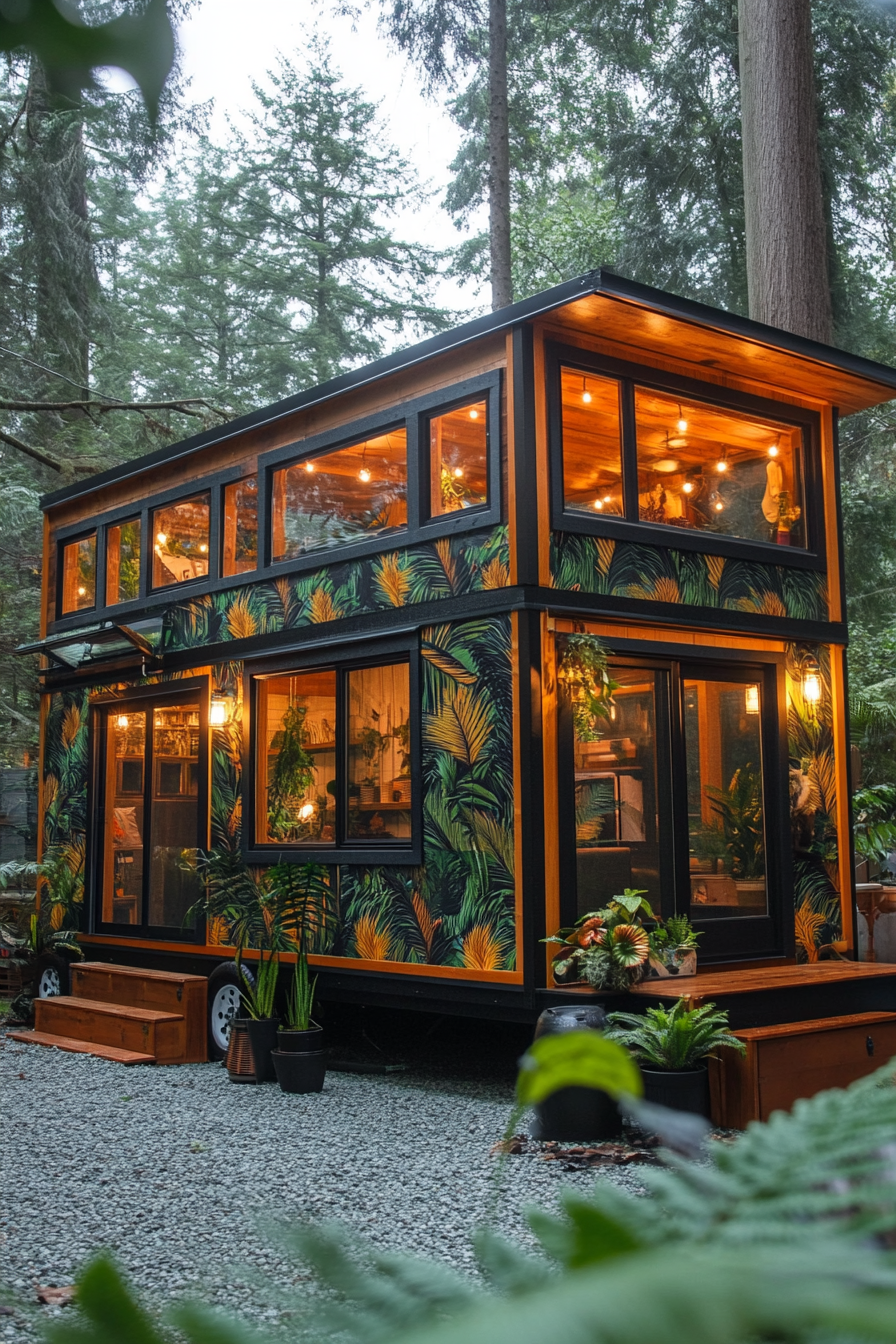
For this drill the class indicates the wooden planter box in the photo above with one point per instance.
(793, 1060)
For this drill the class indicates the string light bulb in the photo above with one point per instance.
(82, 592)
(161, 538)
(586, 395)
(309, 467)
(688, 487)
(722, 464)
(682, 424)
(474, 414)
(598, 503)
(718, 506)
(203, 548)
(364, 474)
(458, 473)
(774, 450)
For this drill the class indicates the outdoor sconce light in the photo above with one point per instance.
(812, 682)
(751, 700)
(220, 710)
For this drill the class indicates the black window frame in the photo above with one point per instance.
(71, 537)
(629, 525)
(732, 938)
(142, 699)
(343, 660)
(420, 529)
(178, 586)
(134, 516)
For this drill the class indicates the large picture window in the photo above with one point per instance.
(334, 757)
(649, 456)
(78, 575)
(180, 541)
(339, 497)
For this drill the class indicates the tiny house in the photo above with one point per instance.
(330, 631)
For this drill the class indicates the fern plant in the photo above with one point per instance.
(675, 1038)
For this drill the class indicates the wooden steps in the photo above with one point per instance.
(73, 1047)
(127, 1014)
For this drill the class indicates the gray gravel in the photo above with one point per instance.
(177, 1171)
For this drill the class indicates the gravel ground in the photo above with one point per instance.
(180, 1173)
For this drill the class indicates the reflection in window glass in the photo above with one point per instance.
(173, 884)
(718, 471)
(180, 542)
(617, 827)
(297, 768)
(458, 459)
(123, 562)
(592, 443)
(725, 816)
(340, 497)
(379, 783)
(240, 552)
(79, 574)
(124, 820)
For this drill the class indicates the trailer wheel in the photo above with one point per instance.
(223, 1004)
(52, 976)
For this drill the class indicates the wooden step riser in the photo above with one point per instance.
(83, 1024)
(73, 1047)
(173, 993)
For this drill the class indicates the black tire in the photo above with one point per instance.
(223, 1003)
(52, 976)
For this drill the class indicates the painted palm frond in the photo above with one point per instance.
(447, 664)
(494, 574)
(823, 776)
(371, 943)
(71, 726)
(808, 926)
(481, 949)
(391, 577)
(241, 621)
(461, 726)
(321, 606)
(429, 581)
(493, 839)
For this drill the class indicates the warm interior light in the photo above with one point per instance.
(774, 450)
(688, 487)
(682, 424)
(309, 467)
(722, 464)
(306, 811)
(718, 506)
(751, 699)
(203, 548)
(598, 503)
(474, 414)
(161, 538)
(608, 499)
(364, 474)
(121, 721)
(458, 472)
(666, 465)
(82, 592)
(586, 395)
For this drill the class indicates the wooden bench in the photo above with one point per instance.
(796, 1059)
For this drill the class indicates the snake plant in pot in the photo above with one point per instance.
(300, 1060)
(260, 1024)
(671, 1046)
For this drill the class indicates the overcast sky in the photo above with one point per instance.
(226, 44)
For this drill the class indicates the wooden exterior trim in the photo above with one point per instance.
(543, 462)
(830, 491)
(670, 634)
(518, 818)
(840, 727)
(510, 381)
(551, 803)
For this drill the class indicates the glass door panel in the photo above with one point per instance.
(124, 819)
(725, 789)
(616, 795)
(174, 827)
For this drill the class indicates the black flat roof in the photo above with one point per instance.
(594, 282)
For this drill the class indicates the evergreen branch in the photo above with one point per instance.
(90, 407)
(36, 453)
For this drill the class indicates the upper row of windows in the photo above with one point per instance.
(626, 451)
(346, 495)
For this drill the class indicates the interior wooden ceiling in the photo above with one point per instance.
(644, 336)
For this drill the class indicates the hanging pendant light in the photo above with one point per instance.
(586, 395)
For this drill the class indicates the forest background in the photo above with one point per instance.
(196, 275)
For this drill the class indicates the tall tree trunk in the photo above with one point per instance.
(498, 156)
(787, 263)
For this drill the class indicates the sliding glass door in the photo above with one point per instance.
(682, 795)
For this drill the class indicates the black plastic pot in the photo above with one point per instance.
(575, 1113)
(679, 1089)
(300, 1072)
(262, 1040)
(300, 1042)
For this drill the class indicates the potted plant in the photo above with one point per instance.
(300, 1060)
(42, 943)
(739, 808)
(372, 744)
(583, 673)
(673, 949)
(401, 785)
(291, 777)
(257, 999)
(671, 1046)
(607, 949)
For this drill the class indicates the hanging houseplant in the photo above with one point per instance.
(584, 675)
(291, 777)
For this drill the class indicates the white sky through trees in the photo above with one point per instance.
(226, 44)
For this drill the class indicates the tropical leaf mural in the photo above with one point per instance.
(447, 567)
(610, 568)
(813, 805)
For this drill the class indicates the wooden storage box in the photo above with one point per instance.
(793, 1060)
